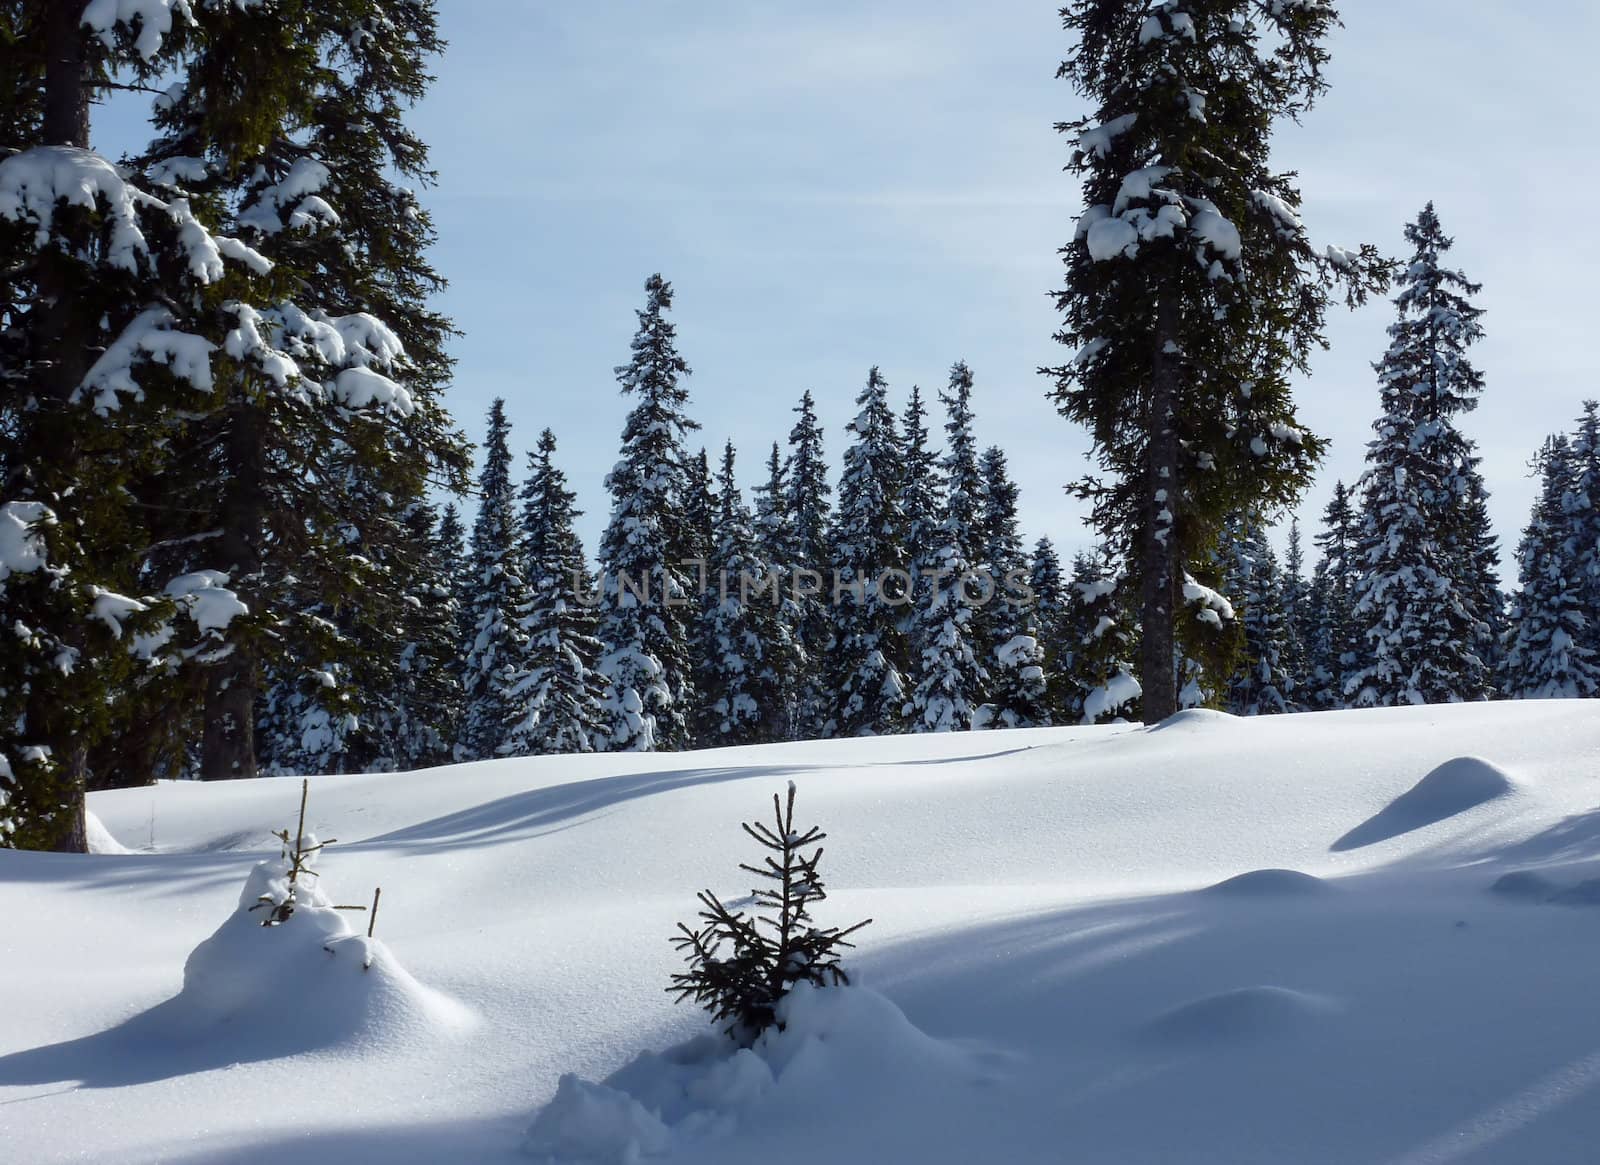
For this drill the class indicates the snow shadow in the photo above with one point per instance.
(1252, 1025)
(536, 812)
(486, 1141)
(1454, 787)
(157, 1044)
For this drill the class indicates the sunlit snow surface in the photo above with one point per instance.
(1286, 940)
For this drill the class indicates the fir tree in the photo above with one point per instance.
(1049, 621)
(951, 680)
(776, 543)
(1546, 658)
(922, 504)
(1100, 632)
(1193, 292)
(866, 683)
(1015, 657)
(746, 644)
(428, 700)
(1296, 627)
(498, 601)
(1259, 684)
(740, 967)
(811, 519)
(1583, 521)
(1333, 655)
(1411, 606)
(555, 697)
(646, 598)
(311, 479)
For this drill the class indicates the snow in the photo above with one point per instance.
(32, 182)
(358, 388)
(150, 336)
(204, 596)
(22, 551)
(152, 18)
(1106, 946)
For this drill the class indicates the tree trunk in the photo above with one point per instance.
(66, 89)
(1157, 553)
(64, 335)
(228, 742)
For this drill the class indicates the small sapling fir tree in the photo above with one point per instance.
(740, 965)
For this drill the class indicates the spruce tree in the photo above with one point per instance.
(951, 680)
(1333, 655)
(1297, 632)
(746, 644)
(1049, 621)
(866, 685)
(1583, 520)
(922, 503)
(811, 519)
(1101, 633)
(498, 601)
(1193, 292)
(311, 484)
(646, 598)
(1546, 657)
(426, 705)
(1259, 684)
(776, 544)
(555, 696)
(1413, 600)
(1014, 658)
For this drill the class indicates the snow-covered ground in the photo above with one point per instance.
(1085, 950)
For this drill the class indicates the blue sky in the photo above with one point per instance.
(834, 185)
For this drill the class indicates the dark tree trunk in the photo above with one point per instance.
(1157, 569)
(66, 88)
(228, 743)
(63, 332)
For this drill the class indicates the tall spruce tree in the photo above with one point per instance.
(1414, 596)
(646, 611)
(555, 697)
(1193, 292)
(922, 504)
(1546, 658)
(497, 603)
(951, 680)
(777, 546)
(866, 682)
(811, 518)
(1583, 520)
(1296, 624)
(311, 484)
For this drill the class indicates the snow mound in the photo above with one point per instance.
(1194, 719)
(841, 1049)
(1245, 1013)
(1454, 787)
(1269, 884)
(1533, 887)
(99, 837)
(306, 982)
(1525, 884)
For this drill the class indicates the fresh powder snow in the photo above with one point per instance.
(1341, 937)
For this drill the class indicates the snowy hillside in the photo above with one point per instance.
(1090, 933)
